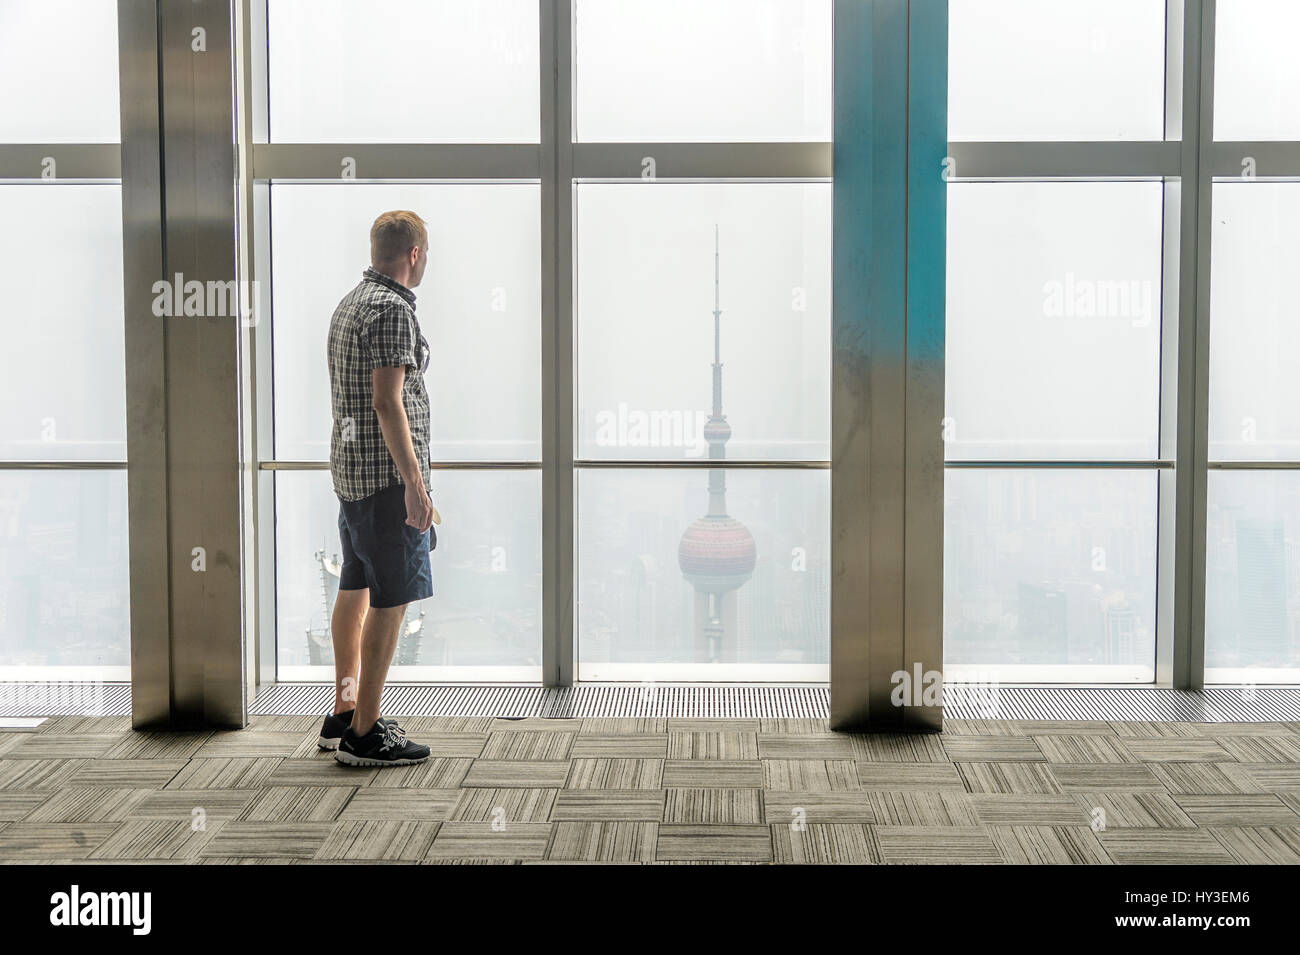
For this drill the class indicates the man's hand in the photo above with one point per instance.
(419, 508)
(386, 384)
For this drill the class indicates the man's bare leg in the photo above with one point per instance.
(345, 627)
(378, 642)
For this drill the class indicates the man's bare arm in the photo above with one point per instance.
(386, 389)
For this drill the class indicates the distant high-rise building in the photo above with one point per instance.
(1261, 592)
(1043, 616)
(1123, 630)
(320, 642)
(717, 552)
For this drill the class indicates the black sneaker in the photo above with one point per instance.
(385, 745)
(331, 730)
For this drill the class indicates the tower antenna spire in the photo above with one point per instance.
(717, 331)
(717, 553)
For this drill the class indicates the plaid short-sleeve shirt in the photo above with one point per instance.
(374, 327)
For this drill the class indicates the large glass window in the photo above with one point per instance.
(698, 347)
(1055, 344)
(672, 586)
(471, 77)
(1053, 357)
(58, 72)
(1252, 600)
(1256, 71)
(484, 619)
(1050, 575)
(479, 307)
(1255, 343)
(700, 572)
(645, 301)
(684, 71)
(1021, 70)
(1053, 320)
(78, 413)
(64, 599)
(1252, 603)
(410, 73)
(702, 325)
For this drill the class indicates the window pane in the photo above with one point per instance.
(1053, 339)
(80, 412)
(1049, 576)
(484, 618)
(685, 71)
(58, 72)
(388, 71)
(665, 592)
(1056, 69)
(1252, 578)
(64, 596)
(1255, 336)
(645, 325)
(1256, 71)
(479, 306)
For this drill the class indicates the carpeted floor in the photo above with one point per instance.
(657, 790)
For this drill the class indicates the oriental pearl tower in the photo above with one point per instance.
(716, 554)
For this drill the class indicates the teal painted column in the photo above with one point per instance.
(887, 380)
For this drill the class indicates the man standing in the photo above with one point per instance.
(379, 459)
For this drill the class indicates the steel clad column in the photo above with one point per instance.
(887, 379)
(146, 409)
(183, 368)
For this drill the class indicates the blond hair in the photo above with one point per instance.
(394, 234)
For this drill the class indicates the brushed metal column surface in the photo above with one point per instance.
(850, 371)
(203, 369)
(927, 218)
(884, 397)
(146, 408)
(887, 341)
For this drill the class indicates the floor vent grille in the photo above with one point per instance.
(65, 699)
(589, 700)
(730, 701)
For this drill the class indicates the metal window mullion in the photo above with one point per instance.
(705, 161)
(1187, 664)
(1082, 464)
(703, 464)
(255, 213)
(1064, 160)
(1176, 344)
(95, 162)
(398, 161)
(269, 465)
(556, 173)
(1253, 465)
(63, 465)
(1271, 159)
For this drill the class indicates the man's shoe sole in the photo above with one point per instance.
(349, 759)
(330, 744)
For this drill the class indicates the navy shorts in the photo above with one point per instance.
(381, 551)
